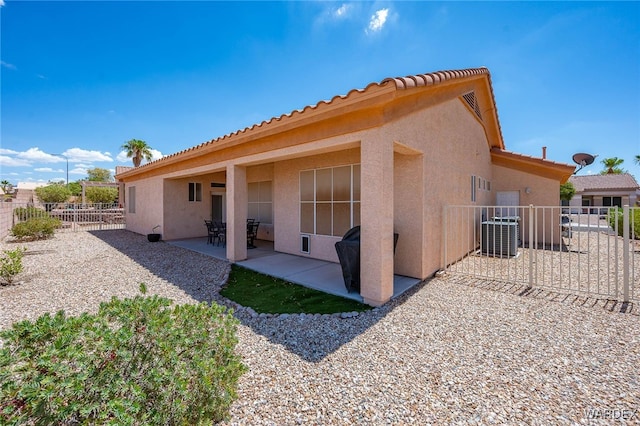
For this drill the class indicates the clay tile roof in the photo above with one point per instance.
(623, 181)
(435, 77)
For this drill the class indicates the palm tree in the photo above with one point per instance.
(637, 159)
(612, 166)
(138, 149)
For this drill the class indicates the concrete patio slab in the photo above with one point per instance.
(312, 273)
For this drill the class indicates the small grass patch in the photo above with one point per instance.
(266, 294)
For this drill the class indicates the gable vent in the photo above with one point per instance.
(472, 101)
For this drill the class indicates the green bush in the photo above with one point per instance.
(137, 361)
(55, 193)
(617, 215)
(36, 229)
(101, 195)
(11, 264)
(25, 213)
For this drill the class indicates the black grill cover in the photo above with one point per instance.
(349, 255)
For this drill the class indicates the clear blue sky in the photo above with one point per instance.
(82, 78)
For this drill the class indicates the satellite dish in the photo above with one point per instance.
(582, 159)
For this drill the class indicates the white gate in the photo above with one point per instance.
(597, 253)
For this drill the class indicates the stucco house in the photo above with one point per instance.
(593, 191)
(387, 157)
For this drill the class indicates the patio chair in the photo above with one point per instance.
(221, 233)
(252, 233)
(211, 231)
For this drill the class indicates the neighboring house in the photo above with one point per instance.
(593, 191)
(387, 157)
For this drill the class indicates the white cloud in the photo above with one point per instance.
(378, 20)
(156, 154)
(332, 14)
(77, 155)
(48, 170)
(7, 151)
(38, 155)
(342, 11)
(13, 162)
(6, 64)
(79, 171)
(1, 3)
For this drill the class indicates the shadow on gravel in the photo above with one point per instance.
(314, 338)
(310, 337)
(521, 290)
(196, 274)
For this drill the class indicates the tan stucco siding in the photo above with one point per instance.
(408, 214)
(148, 206)
(455, 148)
(184, 218)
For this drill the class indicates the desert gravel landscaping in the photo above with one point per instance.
(453, 351)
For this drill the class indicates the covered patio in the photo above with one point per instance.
(313, 273)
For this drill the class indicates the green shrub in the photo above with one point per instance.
(36, 228)
(617, 215)
(101, 195)
(25, 213)
(137, 361)
(55, 193)
(11, 264)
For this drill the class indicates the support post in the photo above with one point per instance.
(237, 206)
(531, 249)
(626, 265)
(376, 240)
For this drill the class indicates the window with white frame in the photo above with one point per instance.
(261, 201)
(132, 199)
(195, 191)
(330, 200)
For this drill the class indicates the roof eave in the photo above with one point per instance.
(536, 166)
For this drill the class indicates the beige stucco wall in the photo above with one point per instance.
(455, 148)
(6, 218)
(149, 206)
(408, 213)
(184, 218)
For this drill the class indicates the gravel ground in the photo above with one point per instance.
(452, 351)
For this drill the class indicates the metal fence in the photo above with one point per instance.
(74, 216)
(592, 252)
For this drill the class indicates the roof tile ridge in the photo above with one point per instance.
(435, 77)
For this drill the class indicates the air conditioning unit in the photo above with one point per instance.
(499, 238)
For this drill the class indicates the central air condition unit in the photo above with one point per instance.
(499, 238)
